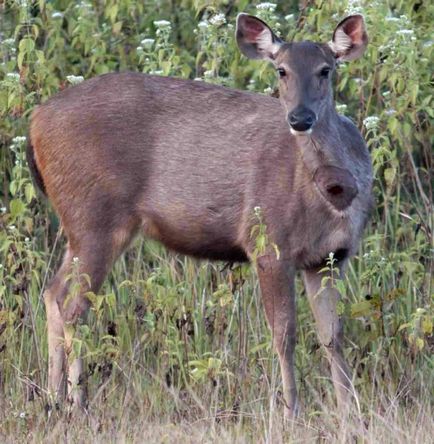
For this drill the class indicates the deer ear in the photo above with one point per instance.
(350, 38)
(255, 38)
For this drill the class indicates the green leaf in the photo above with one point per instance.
(29, 192)
(360, 309)
(389, 176)
(427, 326)
(17, 208)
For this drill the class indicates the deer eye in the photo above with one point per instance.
(324, 73)
(282, 72)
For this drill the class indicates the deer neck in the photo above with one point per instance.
(323, 146)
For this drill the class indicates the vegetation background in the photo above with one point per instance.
(178, 350)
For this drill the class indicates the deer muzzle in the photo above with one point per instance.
(301, 120)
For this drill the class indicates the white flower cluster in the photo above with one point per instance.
(257, 210)
(57, 15)
(392, 19)
(16, 145)
(9, 42)
(202, 25)
(74, 80)
(145, 44)
(266, 6)
(83, 5)
(18, 140)
(371, 122)
(405, 32)
(341, 108)
(14, 76)
(218, 19)
(162, 24)
(354, 7)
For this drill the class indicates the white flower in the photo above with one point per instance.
(392, 19)
(19, 139)
(341, 108)
(218, 19)
(9, 42)
(208, 73)
(22, 415)
(162, 24)
(75, 260)
(3, 210)
(84, 5)
(289, 17)
(268, 90)
(12, 227)
(405, 32)
(371, 122)
(56, 15)
(13, 76)
(157, 72)
(266, 6)
(354, 7)
(26, 239)
(390, 112)
(74, 80)
(147, 43)
(198, 79)
(204, 24)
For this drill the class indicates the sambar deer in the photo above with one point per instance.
(186, 163)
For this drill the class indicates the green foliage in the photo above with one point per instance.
(164, 323)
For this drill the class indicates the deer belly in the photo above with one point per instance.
(198, 236)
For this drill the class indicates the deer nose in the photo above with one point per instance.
(301, 119)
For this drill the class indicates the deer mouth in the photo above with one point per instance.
(300, 133)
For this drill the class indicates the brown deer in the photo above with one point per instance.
(186, 163)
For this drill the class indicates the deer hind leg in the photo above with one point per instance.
(323, 302)
(276, 278)
(95, 255)
(55, 332)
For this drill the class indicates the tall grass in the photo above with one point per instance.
(179, 350)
